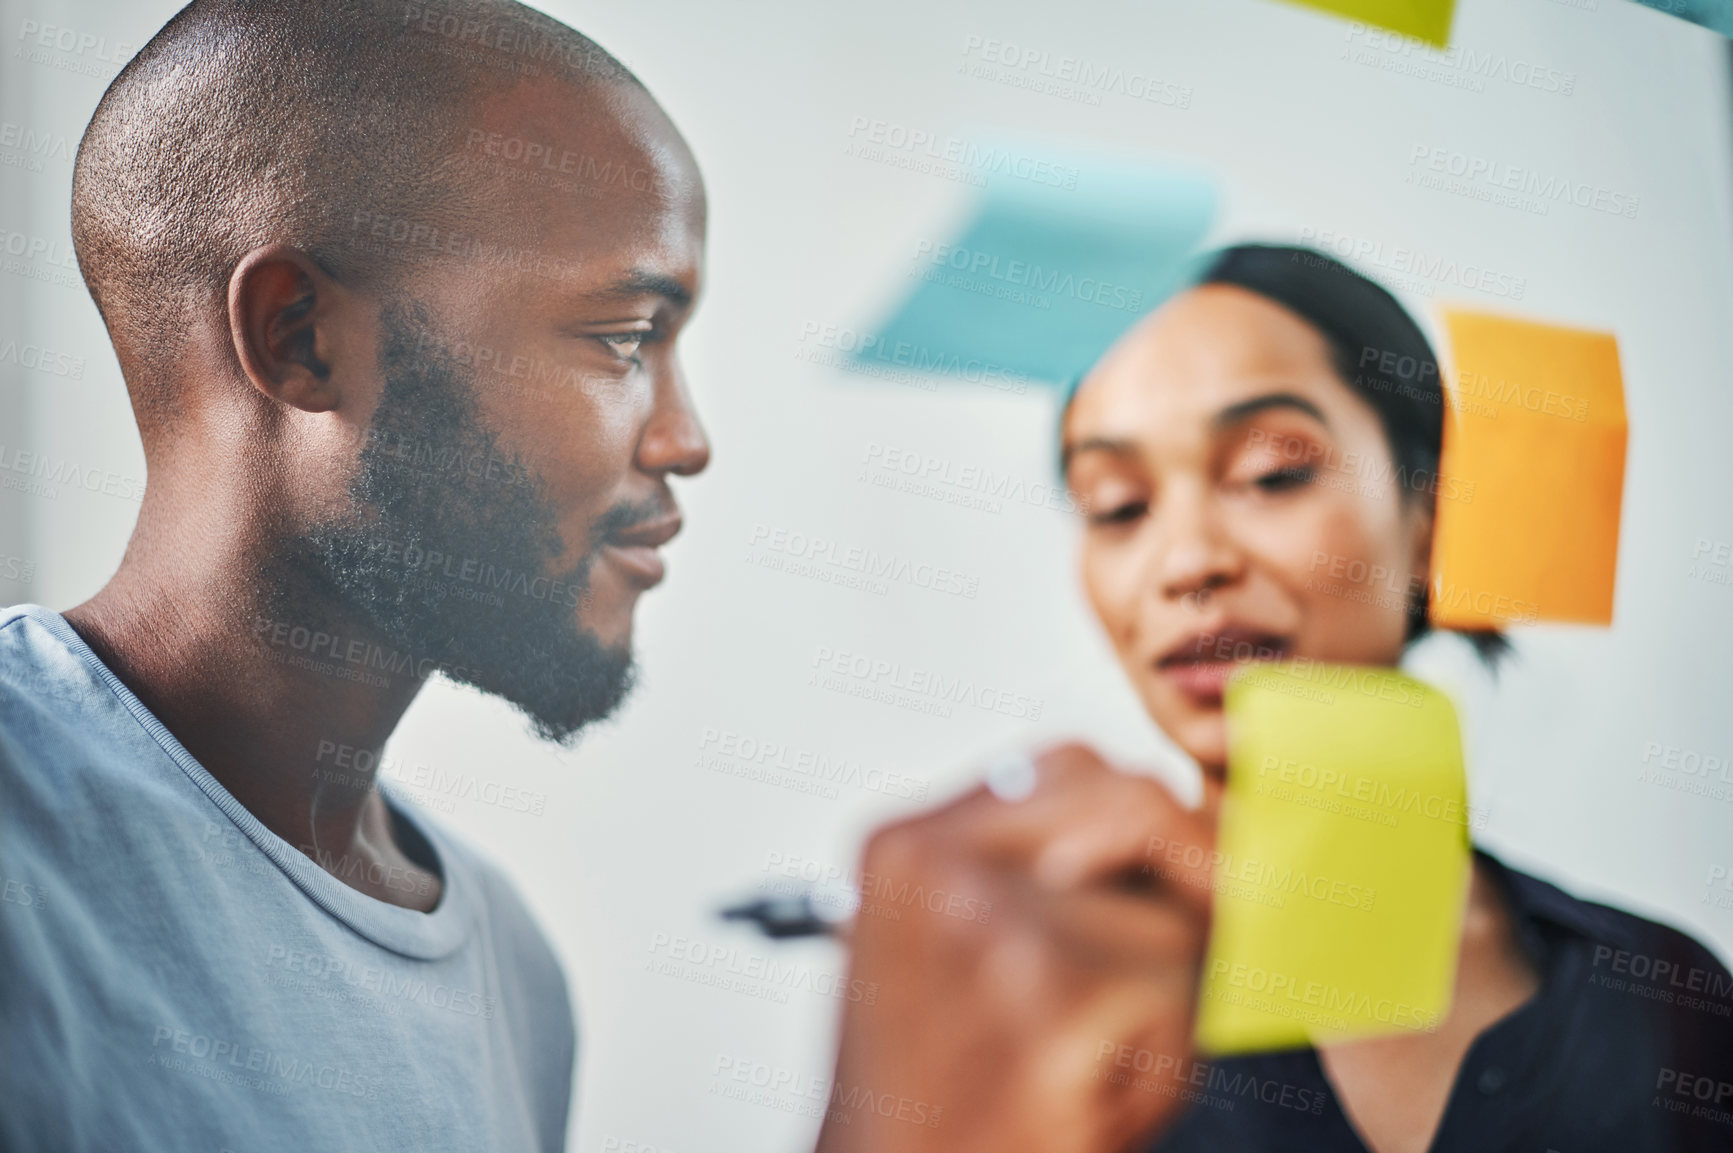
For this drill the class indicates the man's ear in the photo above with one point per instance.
(281, 308)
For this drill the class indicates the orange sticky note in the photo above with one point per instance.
(1532, 475)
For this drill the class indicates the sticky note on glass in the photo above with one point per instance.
(1063, 252)
(1716, 15)
(1427, 20)
(1344, 860)
(1532, 476)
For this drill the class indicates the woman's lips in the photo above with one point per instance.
(1200, 666)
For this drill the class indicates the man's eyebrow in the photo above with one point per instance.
(1234, 413)
(1094, 444)
(643, 283)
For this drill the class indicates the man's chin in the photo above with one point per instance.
(559, 693)
(610, 626)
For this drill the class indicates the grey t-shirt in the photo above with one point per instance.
(175, 976)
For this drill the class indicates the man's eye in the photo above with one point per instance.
(1283, 479)
(1123, 513)
(624, 344)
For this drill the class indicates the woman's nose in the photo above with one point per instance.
(1193, 554)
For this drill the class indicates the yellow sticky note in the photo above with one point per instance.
(1427, 20)
(1532, 475)
(1343, 859)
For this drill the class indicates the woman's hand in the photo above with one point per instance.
(1038, 948)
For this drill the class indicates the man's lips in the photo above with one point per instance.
(1200, 664)
(633, 549)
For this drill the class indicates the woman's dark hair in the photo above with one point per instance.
(1379, 352)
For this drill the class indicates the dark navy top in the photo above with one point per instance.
(1627, 1047)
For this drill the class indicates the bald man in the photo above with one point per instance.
(396, 289)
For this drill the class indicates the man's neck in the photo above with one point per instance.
(290, 716)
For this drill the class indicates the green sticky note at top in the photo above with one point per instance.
(1344, 860)
(1427, 20)
(1064, 251)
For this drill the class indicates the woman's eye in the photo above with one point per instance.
(1283, 479)
(1123, 513)
(625, 344)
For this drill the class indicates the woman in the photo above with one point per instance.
(1222, 448)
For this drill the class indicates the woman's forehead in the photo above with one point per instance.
(1201, 353)
(1221, 330)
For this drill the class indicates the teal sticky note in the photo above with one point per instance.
(1715, 15)
(1063, 252)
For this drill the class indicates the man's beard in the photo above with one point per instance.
(447, 547)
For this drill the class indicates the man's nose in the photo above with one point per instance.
(673, 439)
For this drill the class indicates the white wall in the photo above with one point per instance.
(637, 839)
